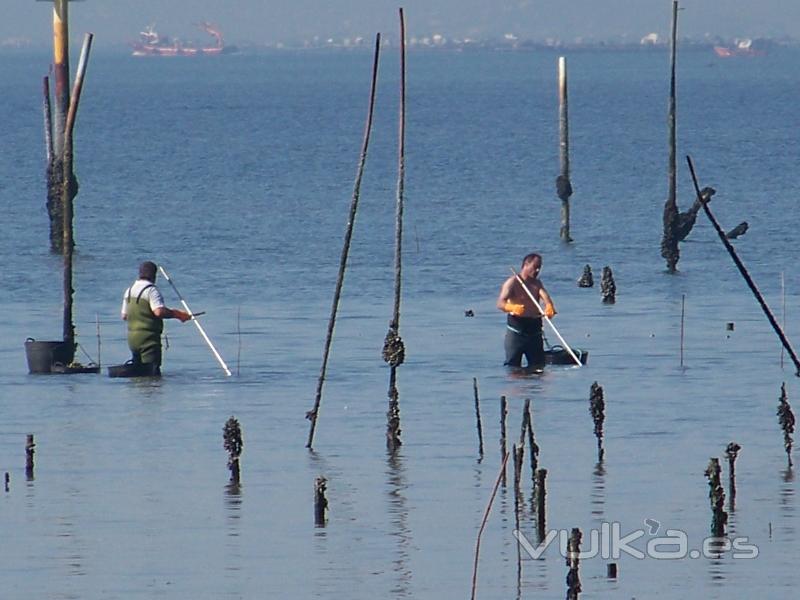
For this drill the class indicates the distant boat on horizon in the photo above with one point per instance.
(151, 43)
(743, 47)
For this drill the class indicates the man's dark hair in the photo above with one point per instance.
(530, 257)
(147, 270)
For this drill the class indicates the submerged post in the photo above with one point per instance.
(320, 501)
(563, 183)
(597, 407)
(787, 422)
(478, 417)
(573, 562)
(731, 453)
(30, 448)
(716, 495)
(503, 446)
(541, 494)
(233, 443)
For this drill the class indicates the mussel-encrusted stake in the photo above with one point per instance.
(786, 420)
(30, 449)
(586, 280)
(573, 562)
(232, 436)
(608, 289)
(597, 407)
(716, 495)
(320, 501)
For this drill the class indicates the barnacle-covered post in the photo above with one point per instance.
(586, 279)
(608, 289)
(669, 241)
(597, 407)
(320, 501)
(232, 439)
(786, 421)
(719, 518)
(393, 344)
(573, 562)
(30, 449)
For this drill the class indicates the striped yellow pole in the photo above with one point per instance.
(60, 73)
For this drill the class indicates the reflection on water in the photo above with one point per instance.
(787, 503)
(598, 492)
(396, 486)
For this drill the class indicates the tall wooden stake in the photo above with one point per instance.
(69, 189)
(669, 242)
(683, 315)
(478, 416)
(393, 336)
(313, 414)
(503, 446)
(61, 103)
(563, 183)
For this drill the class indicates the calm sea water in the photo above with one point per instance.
(236, 174)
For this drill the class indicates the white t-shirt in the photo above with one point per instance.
(151, 295)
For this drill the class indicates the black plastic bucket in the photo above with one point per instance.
(43, 355)
(558, 355)
(134, 369)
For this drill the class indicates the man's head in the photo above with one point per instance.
(147, 270)
(531, 265)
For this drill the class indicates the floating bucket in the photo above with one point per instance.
(558, 355)
(43, 356)
(134, 369)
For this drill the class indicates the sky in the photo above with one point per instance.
(270, 21)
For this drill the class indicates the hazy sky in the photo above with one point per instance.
(119, 21)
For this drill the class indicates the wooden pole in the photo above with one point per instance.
(30, 449)
(503, 446)
(69, 190)
(500, 476)
(393, 414)
(57, 124)
(573, 562)
(478, 416)
(313, 414)
(60, 72)
(669, 243)
(541, 494)
(783, 309)
(740, 265)
(731, 453)
(48, 120)
(320, 501)
(563, 183)
(683, 315)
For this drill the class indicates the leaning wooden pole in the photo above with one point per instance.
(314, 412)
(47, 109)
(393, 336)
(563, 183)
(669, 241)
(740, 265)
(68, 189)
